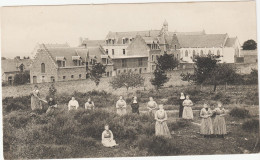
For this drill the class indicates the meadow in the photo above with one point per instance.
(77, 134)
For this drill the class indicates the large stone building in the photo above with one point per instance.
(129, 52)
(64, 63)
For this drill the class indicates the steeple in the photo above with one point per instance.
(165, 26)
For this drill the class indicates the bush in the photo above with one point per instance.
(158, 146)
(22, 78)
(14, 107)
(239, 113)
(251, 125)
(178, 124)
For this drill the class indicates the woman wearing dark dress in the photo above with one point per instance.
(135, 105)
(182, 98)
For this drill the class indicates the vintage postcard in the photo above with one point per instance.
(129, 80)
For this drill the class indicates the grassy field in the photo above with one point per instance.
(77, 134)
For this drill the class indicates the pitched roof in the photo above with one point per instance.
(91, 43)
(230, 42)
(12, 65)
(207, 40)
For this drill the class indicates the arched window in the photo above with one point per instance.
(43, 68)
(186, 53)
(193, 54)
(201, 53)
(218, 53)
(209, 52)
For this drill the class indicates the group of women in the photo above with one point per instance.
(208, 127)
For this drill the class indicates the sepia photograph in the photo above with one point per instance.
(129, 80)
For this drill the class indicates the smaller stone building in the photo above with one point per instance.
(11, 67)
(64, 63)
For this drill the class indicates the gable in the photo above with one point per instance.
(138, 47)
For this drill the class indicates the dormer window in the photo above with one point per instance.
(77, 60)
(61, 61)
(21, 68)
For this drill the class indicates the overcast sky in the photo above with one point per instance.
(23, 27)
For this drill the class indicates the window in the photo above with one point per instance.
(61, 63)
(145, 69)
(194, 52)
(123, 51)
(21, 67)
(72, 76)
(52, 79)
(186, 53)
(140, 62)
(118, 71)
(124, 71)
(113, 51)
(79, 76)
(209, 52)
(123, 41)
(106, 51)
(43, 68)
(124, 63)
(218, 53)
(175, 47)
(43, 79)
(177, 56)
(64, 77)
(152, 58)
(201, 53)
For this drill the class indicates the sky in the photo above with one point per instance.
(23, 27)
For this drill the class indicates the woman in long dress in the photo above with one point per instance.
(206, 127)
(108, 138)
(187, 110)
(89, 105)
(219, 124)
(35, 99)
(135, 105)
(161, 128)
(182, 98)
(121, 106)
(152, 106)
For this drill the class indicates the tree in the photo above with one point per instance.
(21, 78)
(207, 70)
(202, 69)
(167, 62)
(249, 45)
(160, 77)
(222, 74)
(164, 63)
(127, 80)
(96, 72)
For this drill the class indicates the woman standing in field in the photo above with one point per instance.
(182, 98)
(187, 110)
(135, 105)
(35, 99)
(219, 124)
(152, 106)
(108, 138)
(206, 127)
(121, 106)
(161, 128)
(89, 104)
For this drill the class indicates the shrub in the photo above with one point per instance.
(178, 124)
(239, 112)
(14, 107)
(158, 145)
(22, 78)
(251, 125)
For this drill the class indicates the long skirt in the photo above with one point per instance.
(121, 111)
(219, 125)
(180, 111)
(206, 127)
(35, 103)
(108, 143)
(187, 113)
(135, 110)
(161, 129)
